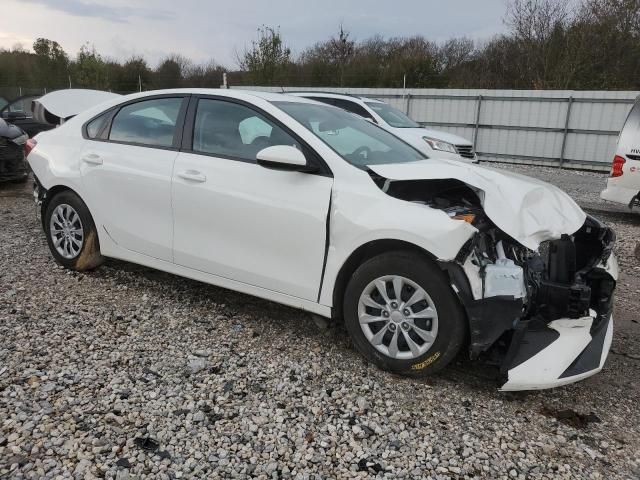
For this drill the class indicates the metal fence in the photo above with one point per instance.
(570, 129)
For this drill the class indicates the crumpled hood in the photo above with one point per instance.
(418, 133)
(529, 210)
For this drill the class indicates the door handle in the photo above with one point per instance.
(193, 175)
(92, 159)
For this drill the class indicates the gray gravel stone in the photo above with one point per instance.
(230, 386)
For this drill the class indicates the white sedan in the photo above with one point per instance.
(307, 205)
(430, 142)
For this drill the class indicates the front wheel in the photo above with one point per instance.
(402, 315)
(71, 233)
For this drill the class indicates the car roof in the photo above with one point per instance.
(344, 96)
(222, 92)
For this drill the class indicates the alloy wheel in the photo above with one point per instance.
(66, 231)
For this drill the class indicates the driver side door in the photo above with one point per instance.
(241, 221)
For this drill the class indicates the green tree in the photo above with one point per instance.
(268, 59)
(170, 72)
(89, 69)
(52, 63)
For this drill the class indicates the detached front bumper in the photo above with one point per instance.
(563, 351)
(567, 351)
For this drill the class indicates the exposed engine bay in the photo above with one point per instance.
(509, 290)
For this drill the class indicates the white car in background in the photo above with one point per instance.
(307, 205)
(433, 143)
(623, 185)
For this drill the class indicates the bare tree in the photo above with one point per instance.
(537, 28)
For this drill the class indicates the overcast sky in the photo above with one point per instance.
(204, 30)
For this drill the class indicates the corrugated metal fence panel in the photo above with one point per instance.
(574, 128)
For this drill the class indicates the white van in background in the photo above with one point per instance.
(623, 185)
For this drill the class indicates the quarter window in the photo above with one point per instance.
(232, 130)
(149, 122)
(97, 126)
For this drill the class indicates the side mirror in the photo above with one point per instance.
(282, 157)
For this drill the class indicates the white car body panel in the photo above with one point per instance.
(625, 188)
(259, 226)
(361, 213)
(529, 210)
(239, 225)
(130, 189)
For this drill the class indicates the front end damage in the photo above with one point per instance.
(547, 314)
(544, 314)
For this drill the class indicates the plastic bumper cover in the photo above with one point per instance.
(567, 351)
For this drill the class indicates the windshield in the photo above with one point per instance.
(392, 116)
(356, 140)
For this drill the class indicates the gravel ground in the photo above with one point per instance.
(127, 372)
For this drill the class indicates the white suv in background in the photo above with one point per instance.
(433, 143)
(623, 185)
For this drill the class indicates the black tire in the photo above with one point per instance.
(452, 327)
(88, 257)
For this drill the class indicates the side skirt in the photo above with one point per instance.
(112, 250)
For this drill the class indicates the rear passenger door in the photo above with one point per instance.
(126, 168)
(238, 220)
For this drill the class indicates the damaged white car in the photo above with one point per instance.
(307, 205)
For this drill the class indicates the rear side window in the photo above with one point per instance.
(149, 122)
(232, 130)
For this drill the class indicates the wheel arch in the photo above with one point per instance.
(363, 253)
(52, 192)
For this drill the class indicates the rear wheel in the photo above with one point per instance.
(402, 315)
(71, 233)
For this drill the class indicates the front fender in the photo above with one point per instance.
(356, 220)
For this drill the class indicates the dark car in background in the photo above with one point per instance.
(19, 113)
(17, 125)
(13, 166)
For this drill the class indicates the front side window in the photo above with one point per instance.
(392, 116)
(232, 130)
(356, 140)
(149, 122)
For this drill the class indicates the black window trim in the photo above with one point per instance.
(187, 134)
(113, 111)
(332, 102)
(367, 115)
